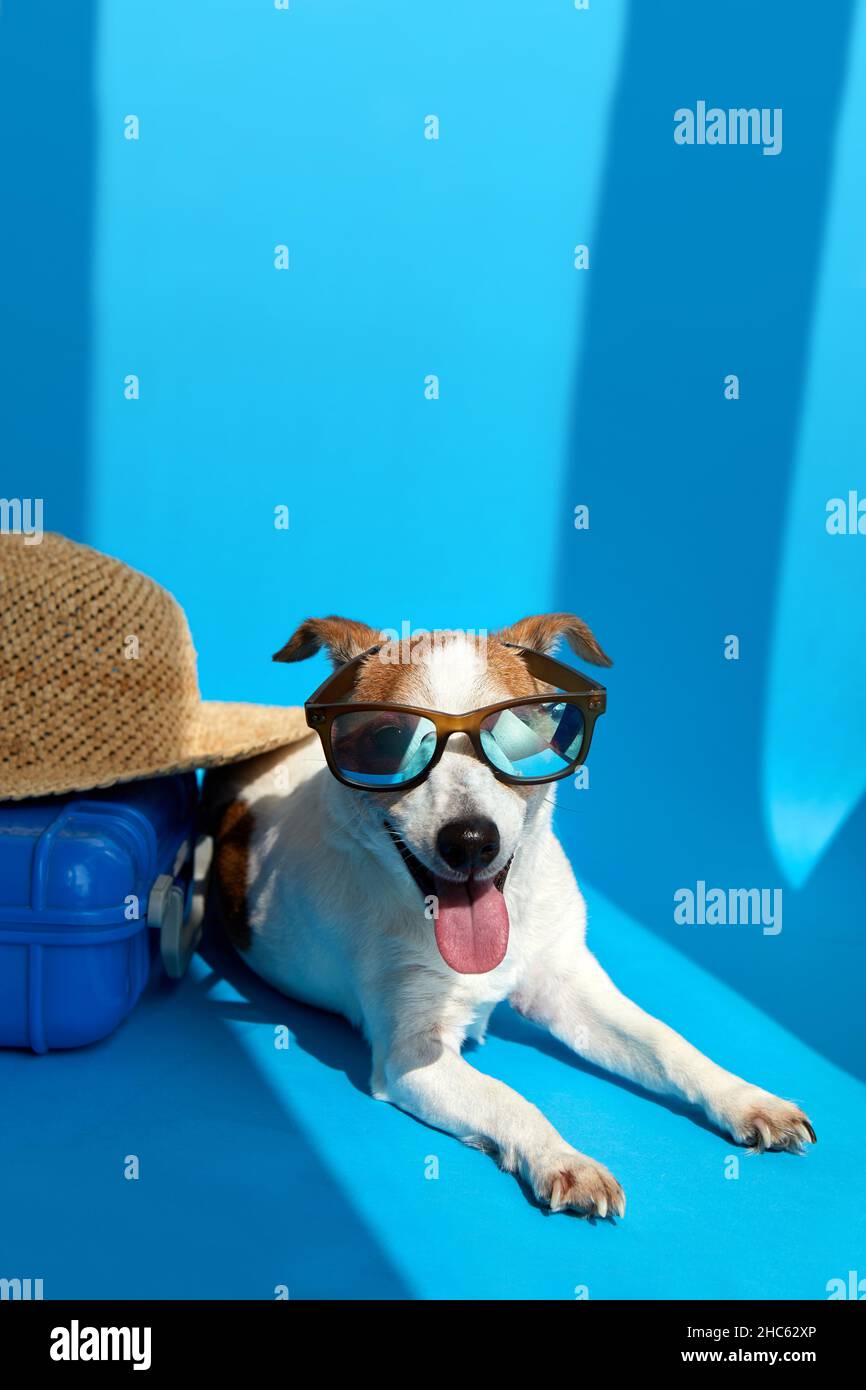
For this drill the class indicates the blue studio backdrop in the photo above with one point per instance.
(436, 285)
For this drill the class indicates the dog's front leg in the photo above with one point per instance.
(570, 994)
(431, 1080)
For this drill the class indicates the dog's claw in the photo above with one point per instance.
(580, 1184)
(762, 1137)
(763, 1121)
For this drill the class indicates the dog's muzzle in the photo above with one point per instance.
(470, 914)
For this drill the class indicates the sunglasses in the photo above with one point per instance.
(525, 741)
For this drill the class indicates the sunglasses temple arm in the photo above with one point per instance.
(547, 668)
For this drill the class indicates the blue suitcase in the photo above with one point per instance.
(82, 879)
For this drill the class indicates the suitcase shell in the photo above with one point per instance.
(76, 873)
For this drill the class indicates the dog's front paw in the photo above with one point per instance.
(763, 1121)
(569, 1181)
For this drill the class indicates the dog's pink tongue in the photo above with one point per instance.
(472, 925)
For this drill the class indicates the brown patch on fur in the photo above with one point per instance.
(231, 871)
(388, 678)
(543, 631)
(509, 671)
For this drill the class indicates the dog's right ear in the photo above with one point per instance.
(342, 638)
(543, 631)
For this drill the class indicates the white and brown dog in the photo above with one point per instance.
(325, 890)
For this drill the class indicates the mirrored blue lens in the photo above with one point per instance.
(534, 740)
(382, 748)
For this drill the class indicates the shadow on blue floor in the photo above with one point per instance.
(232, 1201)
(327, 1037)
(704, 264)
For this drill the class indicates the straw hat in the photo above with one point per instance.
(98, 678)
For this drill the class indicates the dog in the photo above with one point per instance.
(330, 893)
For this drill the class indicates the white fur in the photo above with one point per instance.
(337, 921)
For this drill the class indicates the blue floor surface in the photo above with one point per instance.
(262, 1167)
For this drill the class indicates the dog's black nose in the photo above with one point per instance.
(468, 844)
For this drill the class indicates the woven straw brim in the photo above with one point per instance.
(217, 732)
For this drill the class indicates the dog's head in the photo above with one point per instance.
(458, 830)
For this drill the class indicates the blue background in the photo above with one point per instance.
(559, 387)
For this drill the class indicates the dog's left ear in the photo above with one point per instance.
(342, 638)
(543, 632)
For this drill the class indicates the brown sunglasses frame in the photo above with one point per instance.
(322, 709)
